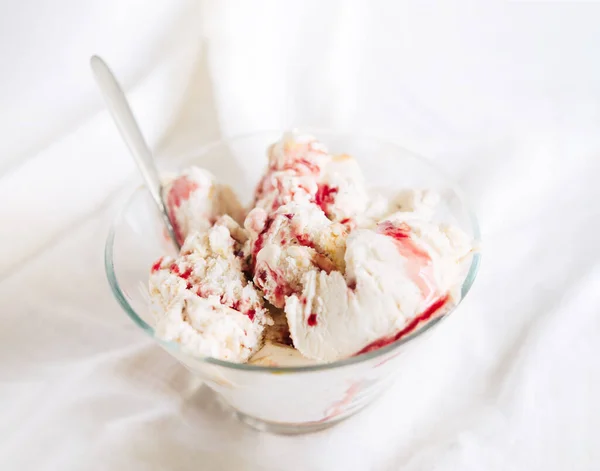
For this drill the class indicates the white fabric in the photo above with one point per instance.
(504, 95)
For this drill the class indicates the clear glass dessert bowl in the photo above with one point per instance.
(281, 399)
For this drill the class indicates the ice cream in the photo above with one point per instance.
(194, 201)
(202, 299)
(341, 271)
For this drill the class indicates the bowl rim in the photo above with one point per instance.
(353, 360)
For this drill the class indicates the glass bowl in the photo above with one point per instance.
(280, 399)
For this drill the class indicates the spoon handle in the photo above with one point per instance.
(118, 106)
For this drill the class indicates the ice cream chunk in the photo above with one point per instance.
(291, 228)
(342, 194)
(297, 238)
(195, 200)
(397, 277)
(295, 165)
(301, 170)
(202, 299)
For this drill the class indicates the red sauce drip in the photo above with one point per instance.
(176, 227)
(180, 191)
(340, 406)
(279, 292)
(278, 191)
(305, 241)
(325, 196)
(418, 261)
(236, 305)
(296, 164)
(184, 276)
(312, 320)
(261, 187)
(156, 265)
(251, 313)
(426, 315)
(352, 285)
(398, 232)
(310, 166)
(349, 223)
(289, 216)
(267, 277)
(260, 240)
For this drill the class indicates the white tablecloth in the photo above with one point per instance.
(504, 95)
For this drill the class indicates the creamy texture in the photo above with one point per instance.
(344, 272)
(343, 194)
(301, 170)
(278, 349)
(297, 238)
(195, 200)
(203, 301)
(393, 274)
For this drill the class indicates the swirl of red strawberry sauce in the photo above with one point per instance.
(293, 173)
(297, 160)
(418, 261)
(422, 318)
(264, 274)
(180, 191)
(420, 270)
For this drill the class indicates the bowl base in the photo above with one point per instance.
(286, 428)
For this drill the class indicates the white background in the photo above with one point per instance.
(504, 95)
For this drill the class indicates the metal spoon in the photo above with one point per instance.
(130, 132)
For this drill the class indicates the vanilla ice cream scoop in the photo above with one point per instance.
(397, 277)
(301, 170)
(202, 299)
(419, 204)
(342, 193)
(294, 168)
(194, 201)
